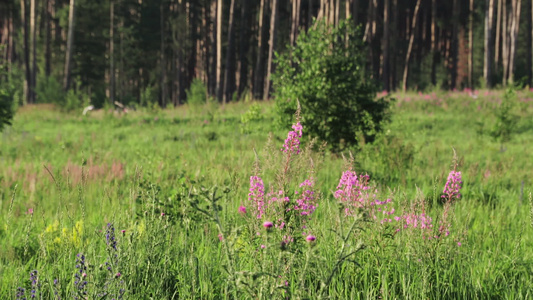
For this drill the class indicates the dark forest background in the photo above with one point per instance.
(140, 51)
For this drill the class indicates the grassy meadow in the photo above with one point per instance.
(157, 204)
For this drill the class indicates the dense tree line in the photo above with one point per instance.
(134, 50)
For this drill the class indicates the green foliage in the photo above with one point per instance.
(506, 119)
(325, 74)
(134, 171)
(8, 97)
(197, 93)
(252, 116)
(50, 90)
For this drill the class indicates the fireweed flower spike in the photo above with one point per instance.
(292, 143)
(257, 195)
(350, 191)
(453, 186)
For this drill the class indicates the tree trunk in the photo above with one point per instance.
(471, 45)
(162, 58)
(111, 53)
(454, 47)
(261, 44)
(295, 21)
(487, 65)
(434, 51)
(48, 35)
(26, 50)
(385, 45)
(244, 41)
(410, 47)
(229, 73)
(515, 25)
(529, 52)
(393, 44)
(505, 43)
(70, 45)
(498, 33)
(271, 47)
(219, 51)
(33, 75)
(213, 50)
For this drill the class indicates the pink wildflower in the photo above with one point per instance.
(350, 191)
(242, 210)
(310, 238)
(306, 203)
(292, 143)
(257, 194)
(453, 186)
(268, 225)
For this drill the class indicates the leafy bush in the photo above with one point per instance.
(197, 93)
(6, 107)
(50, 90)
(8, 95)
(253, 115)
(324, 72)
(506, 119)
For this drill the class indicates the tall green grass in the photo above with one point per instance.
(153, 174)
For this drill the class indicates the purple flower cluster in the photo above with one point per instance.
(453, 186)
(35, 285)
(306, 203)
(110, 236)
(21, 293)
(292, 143)
(80, 283)
(351, 191)
(412, 220)
(257, 195)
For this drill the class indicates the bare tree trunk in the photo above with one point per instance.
(26, 50)
(498, 31)
(213, 53)
(219, 51)
(271, 47)
(515, 25)
(48, 36)
(337, 12)
(229, 74)
(33, 78)
(487, 66)
(529, 52)
(505, 43)
(111, 52)
(261, 44)
(471, 45)
(162, 58)
(393, 44)
(410, 47)
(434, 51)
(385, 45)
(70, 40)
(454, 47)
(295, 21)
(244, 47)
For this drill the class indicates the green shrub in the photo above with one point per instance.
(197, 93)
(8, 97)
(324, 72)
(506, 119)
(50, 90)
